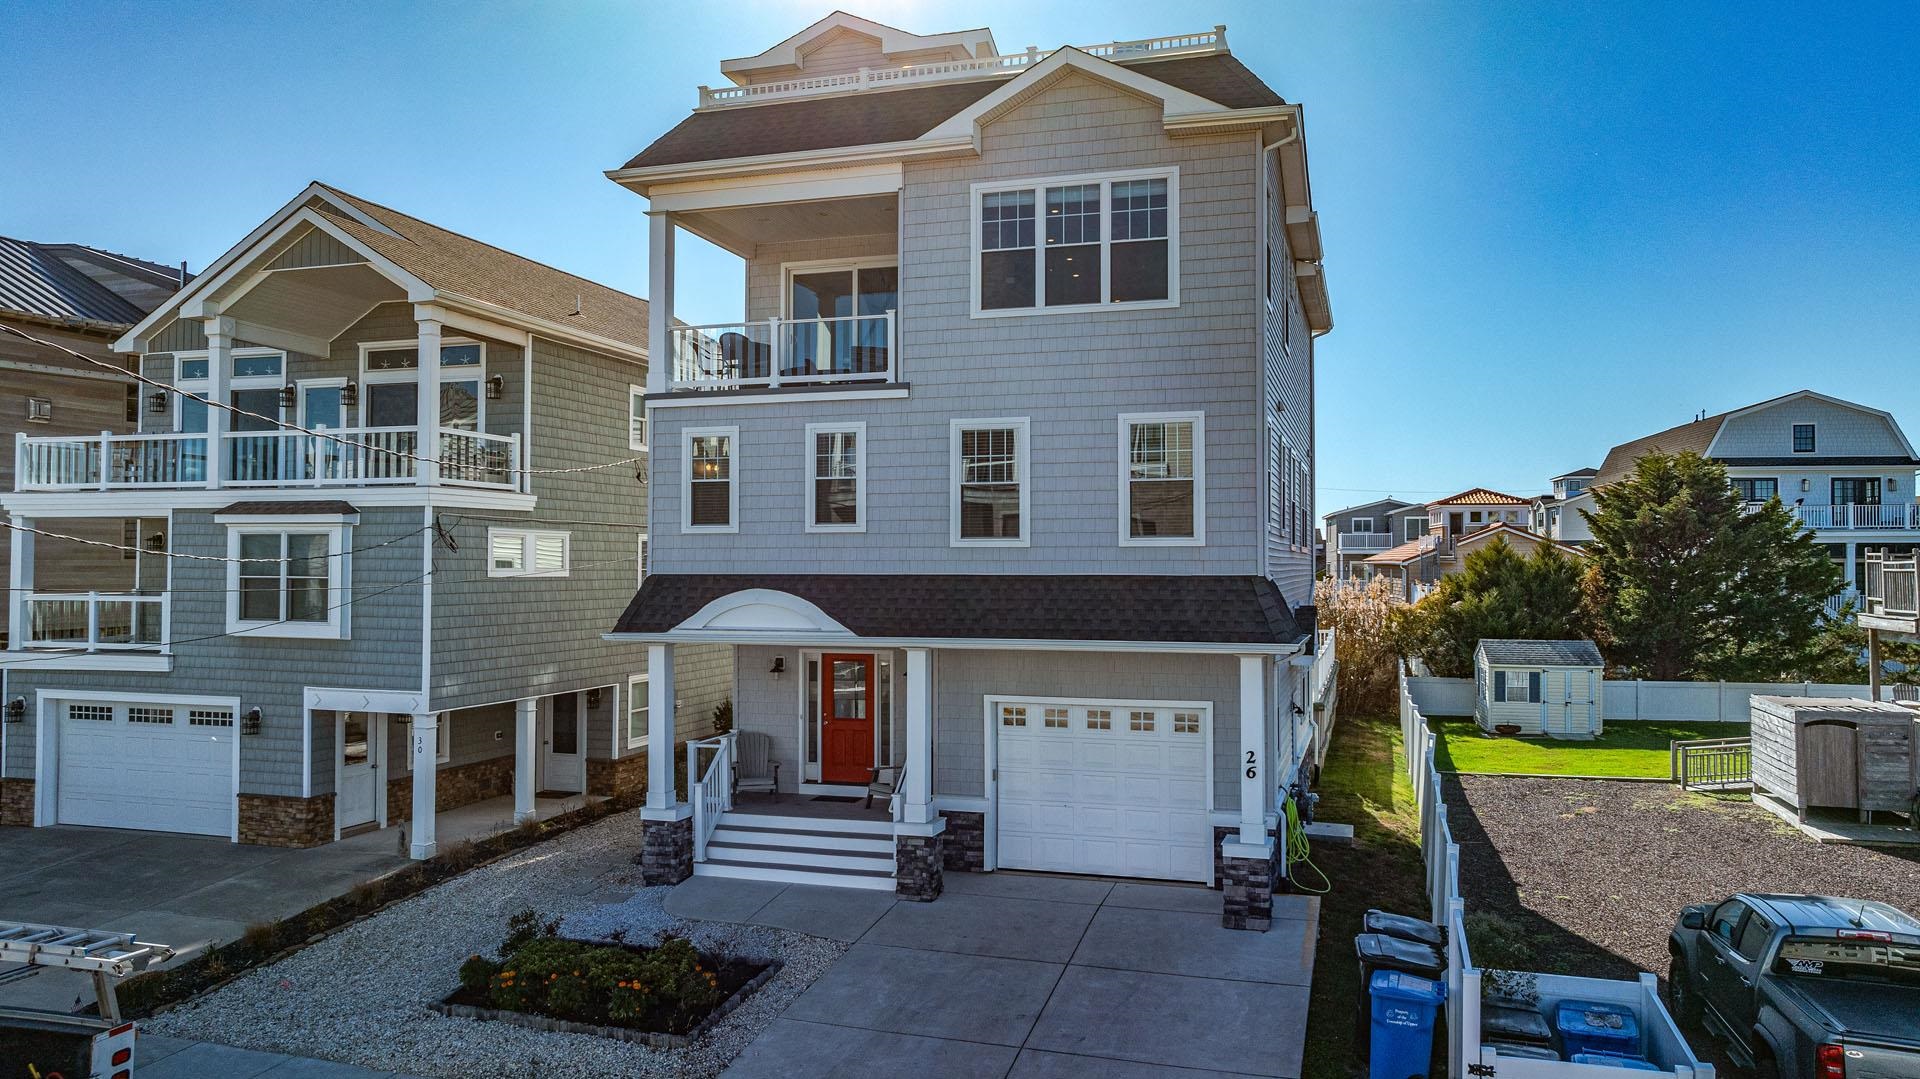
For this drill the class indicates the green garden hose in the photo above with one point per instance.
(1298, 850)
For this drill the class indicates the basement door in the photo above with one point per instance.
(150, 765)
(1103, 787)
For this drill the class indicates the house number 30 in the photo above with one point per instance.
(1253, 766)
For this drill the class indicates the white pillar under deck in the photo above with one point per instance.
(661, 804)
(427, 445)
(526, 743)
(20, 581)
(219, 395)
(424, 752)
(1852, 566)
(660, 296)
(1252, 762)
(916, 788)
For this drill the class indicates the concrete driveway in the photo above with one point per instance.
(1023, 975)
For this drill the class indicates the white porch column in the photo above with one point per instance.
(916, 790)
(219, 394)
(660, 724)
(526, 743)
(424, 751)
(1252, 762)
(1852, 553)
(660, 301)
(427, 445)
(19, 581)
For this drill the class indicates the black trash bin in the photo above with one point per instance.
(1515, 1024)
(1377, 951)
(1401, 927)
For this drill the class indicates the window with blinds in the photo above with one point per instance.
(523, 553)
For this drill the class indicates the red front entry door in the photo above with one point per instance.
(846, 711)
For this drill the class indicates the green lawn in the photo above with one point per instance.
(1626, 749)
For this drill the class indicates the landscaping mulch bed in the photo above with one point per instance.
(1588, 876)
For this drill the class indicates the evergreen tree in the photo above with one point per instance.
(1500, 594)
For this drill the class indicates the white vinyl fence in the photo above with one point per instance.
(1628, 700)
(1663, 1043)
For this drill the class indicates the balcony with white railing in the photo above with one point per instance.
(775, 352)
(1366, 541)
(344, 457)
(1886, 517)
(94, 621)
(890, 78)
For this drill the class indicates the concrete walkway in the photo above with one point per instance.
(157, 1057)
(1023, 975)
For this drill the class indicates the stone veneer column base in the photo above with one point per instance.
(1247, 893)
(612, 778)
(666, 851)
(282, 821)
(16, 802)
(453, 786)
(918, 861)
(965, 850)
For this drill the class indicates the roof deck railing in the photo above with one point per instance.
(887, 78)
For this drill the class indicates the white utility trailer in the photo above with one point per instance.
(46, 1042)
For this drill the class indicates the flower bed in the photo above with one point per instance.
(665, 994)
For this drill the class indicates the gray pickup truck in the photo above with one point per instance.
(1802, 986)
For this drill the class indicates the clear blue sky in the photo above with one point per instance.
(1548, 227)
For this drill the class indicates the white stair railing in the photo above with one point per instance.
(710, 790)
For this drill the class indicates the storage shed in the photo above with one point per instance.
(1834, 753)
(1538, 687)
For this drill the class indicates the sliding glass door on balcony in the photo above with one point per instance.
(836, 319)
(1856, 490)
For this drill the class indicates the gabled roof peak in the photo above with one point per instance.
(790, 53)
(1481, 496)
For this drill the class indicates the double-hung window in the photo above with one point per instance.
(1163, 478)
(836, 477)
(287, 580)
(636, 417)
(990, 494)
(517, 552)
(1803, 438)
(709, 492)
(637, 706)
(1077, 243)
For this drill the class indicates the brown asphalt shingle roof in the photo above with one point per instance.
(466, 267)
(898, 115)
(1695, 436)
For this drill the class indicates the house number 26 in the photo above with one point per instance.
(1253, 767)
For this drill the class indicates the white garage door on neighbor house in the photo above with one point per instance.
(151, 765)
(1103, 787)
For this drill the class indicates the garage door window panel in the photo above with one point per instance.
(286, 582)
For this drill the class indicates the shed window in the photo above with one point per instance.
(1510, 688)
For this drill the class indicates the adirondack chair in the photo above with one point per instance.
(754, 768)
(885, 782)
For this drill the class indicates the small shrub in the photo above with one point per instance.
(723, 716)
(261, 939)
(1498, 942)
(477, 973)
(665, 988)
(525, 927)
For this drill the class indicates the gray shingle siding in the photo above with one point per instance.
(1072, 375)
(1287, 384)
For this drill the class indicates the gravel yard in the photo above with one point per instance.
(360, 995)
(1593, 873)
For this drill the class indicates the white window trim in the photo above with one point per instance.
(636, 692)
(1199, 537)
(687, 435)
(864, 262)
(1023, 470)
(339, 573)
(1354, 525)
(528, 538)
(640, 560)
(443, 741)
(859, 431)
(1038, 186)
(199, 387)
(459, 374)
(637, 394)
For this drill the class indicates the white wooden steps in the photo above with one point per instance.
(836, 852)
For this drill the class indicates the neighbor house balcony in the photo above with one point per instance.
(345, 457)
(777, 352)
(1366, 541)
(94, 621)
(1892, 516)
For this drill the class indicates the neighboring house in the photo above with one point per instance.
(1538, 687)
(1472, 510)
(1844, 470)
(1358, 532)
(439, 558)
(80, 298)
(1003, 484)
(1557, 515)
(1419, 564)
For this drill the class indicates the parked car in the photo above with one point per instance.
(1802, 986)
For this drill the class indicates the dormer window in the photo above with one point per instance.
(1077, 244)
(1803, 438)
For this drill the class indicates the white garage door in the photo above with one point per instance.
(1096, 787)
(151, 765)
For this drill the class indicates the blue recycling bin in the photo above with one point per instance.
(1614, 1060)
(1593, 1027)
(1404, 1008)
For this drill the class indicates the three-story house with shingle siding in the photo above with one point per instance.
(386, 492)
(1000, 489)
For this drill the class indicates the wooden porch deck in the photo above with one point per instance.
(804, 805)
